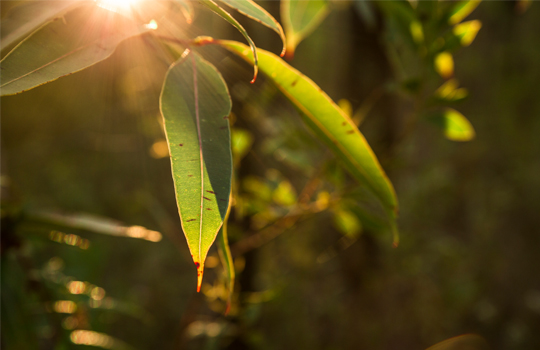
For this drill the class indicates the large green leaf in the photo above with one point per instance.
(328, 121)
(250, 9)
(82, 38)
(23, 19)
(300, 18)
(227, 16)
(195, 104)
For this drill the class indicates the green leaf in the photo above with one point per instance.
(226, 258)
(461, 10)
(327, 120)
(85, 36)
(226, 16)
(195, 104)
(250, 9)
(466, 31)
(454, 124)
(23, 19)
(462, 342)
(301, 18)
(347, 222)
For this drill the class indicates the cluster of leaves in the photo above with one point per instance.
(195, 101)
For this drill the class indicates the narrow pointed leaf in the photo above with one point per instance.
(461, 10)
(23, 19)
(454, 124)
(327, 120)
(84, 37)
(226, 258)
(195, 104)
(227, 16)
(466, 31)
(301, 18)
(250, 9)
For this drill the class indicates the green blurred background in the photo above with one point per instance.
(468, 259)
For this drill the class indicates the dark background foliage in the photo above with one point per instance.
(468, 259)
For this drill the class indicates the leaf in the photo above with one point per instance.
(462, 342)
(226, 258)
(327, 120)
(250, 9)
(92, 223)
(226, 16)
(444, 64)
(466, 31)
(86, 36)
(195, 104)
(454, 124)
(23, 19)
(461, 10)
(301, 18)
(186, 7)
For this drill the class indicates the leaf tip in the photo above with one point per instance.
(255, 73)
(200, 271)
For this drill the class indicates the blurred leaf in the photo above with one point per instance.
(417, 32)
(250, 9)
(195, 104)
(461, 10)
(90, 223)
(466, 31)
(301, 18)
(241, 143)
(85, 36)
(462, 342)
(226, 16)
(257, 187)
(284, 194)
(226, 258)
(186, 7)
(327, 120)
(23, 19)
(347, 223)
(444, 64)
(454, 124)
(100, 340)
(449, 92)
(366, 11)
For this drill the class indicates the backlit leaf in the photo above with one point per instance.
(454, 124)
(250, 9)
(195, 104)
(82, 38)
(301, 18)
(23, 19)
(327, 120)
(466, 31)
(226, 16)
(444, 64)
(461, 10)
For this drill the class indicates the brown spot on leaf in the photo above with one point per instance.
(350, 132)
(211, 192)
(208, 209)
(208, 199)
(197, 265)
(191, 220)
(180, 144)
(344, 123)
